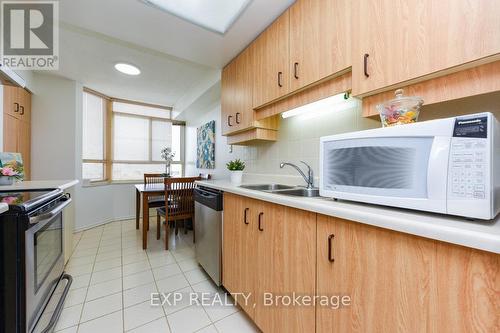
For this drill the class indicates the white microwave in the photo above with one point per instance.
(449, 166)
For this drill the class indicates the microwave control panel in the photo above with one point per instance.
(468, 168)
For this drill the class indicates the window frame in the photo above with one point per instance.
(109, 132)
(106, 130)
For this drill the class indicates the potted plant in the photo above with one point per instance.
(7, 175)
(168, 155)
(236, 168)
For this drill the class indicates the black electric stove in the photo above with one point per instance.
(31, 258)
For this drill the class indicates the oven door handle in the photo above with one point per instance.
(52, 213)
(59, 307)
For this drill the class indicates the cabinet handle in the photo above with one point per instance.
(296, 70)
(279, 79)
(229, 120)
(365, 64)
(245, 216)
(260, 221)
(17, 107)
(237, 118)
(330, 250)
(22, 110)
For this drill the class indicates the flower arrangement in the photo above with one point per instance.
(235, 165)
(168, 155)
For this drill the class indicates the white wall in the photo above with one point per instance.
(53, 141)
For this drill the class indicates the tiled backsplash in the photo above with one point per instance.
(298, 139)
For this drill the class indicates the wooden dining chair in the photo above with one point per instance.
(154, 179)
(179, 195)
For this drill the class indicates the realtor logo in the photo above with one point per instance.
(30, 35)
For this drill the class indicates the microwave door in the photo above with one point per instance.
(391, 171)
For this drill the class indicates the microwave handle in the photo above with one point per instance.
(52, 213)
(437, 171)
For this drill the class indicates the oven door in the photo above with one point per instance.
(44, 258)
(408, 172)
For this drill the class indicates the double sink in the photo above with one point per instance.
(284, 189)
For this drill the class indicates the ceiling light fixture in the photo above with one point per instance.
(127, 68)
(333, 103)
(213, 15)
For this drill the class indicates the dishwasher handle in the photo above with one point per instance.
(209, 198)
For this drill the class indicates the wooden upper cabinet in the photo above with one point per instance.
(319, 40)
(415, 39)
(17, 124)
(271, 62)
(236, 94)
(403, 283)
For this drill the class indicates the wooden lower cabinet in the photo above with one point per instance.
(403, 283)
(239, 249)
(375, 280)
(275, 256)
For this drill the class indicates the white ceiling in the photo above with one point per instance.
(135, 22)
(89, 58)
(176, 57)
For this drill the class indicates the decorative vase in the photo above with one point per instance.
(4, 180)
(236, 177)
(167, 169)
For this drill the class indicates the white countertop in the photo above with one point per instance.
(3, 207)
(40, 184)
(456, 230)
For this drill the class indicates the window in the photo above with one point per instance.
(93, 150)
(138, 133)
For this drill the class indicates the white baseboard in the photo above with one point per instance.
(106, 221)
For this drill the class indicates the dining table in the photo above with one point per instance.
(144, 191)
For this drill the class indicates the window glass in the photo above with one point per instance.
(93, 127)
(161, 137)
(141, 110)
(131, 138)
(176, 142)
(93, 171)
(122, 171)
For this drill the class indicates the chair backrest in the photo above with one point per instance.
(179, 195)
(153, 178)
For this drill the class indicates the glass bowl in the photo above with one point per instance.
(401, 110)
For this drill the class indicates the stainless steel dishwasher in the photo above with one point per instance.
(208, 230)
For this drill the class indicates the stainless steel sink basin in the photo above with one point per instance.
(301, 192)
(267, 187)
(284, 189)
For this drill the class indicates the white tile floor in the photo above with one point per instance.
(114, 279)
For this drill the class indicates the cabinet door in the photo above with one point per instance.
(9, 98)
(236, 94)
(24, 146)
(402, 283)
(286, 265)
(319, 40)
(228, 87)
(10, 133)
(24, 100)
(239, 249)
(413, 39)
(271, 62)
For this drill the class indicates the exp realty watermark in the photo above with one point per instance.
(266, 299)
(30, 35)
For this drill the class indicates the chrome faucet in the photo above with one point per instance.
(309, 178)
